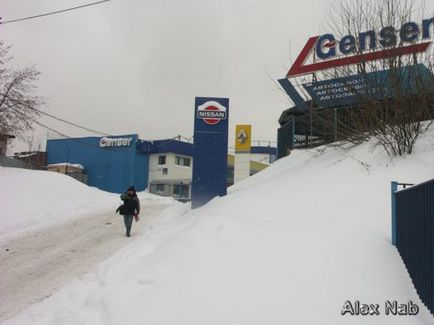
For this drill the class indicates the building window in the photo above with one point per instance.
(159, 189)
(161, 160)
(181, 190)
(183, 161)
(165, 171)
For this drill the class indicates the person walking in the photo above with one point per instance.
(130, 208)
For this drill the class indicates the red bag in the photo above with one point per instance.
(136, 217)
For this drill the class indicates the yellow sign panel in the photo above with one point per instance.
(243, 138)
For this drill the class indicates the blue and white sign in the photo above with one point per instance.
(211, 112)
(370, 86)
(210, 163)
(338, 92)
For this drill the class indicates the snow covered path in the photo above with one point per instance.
(35, 266)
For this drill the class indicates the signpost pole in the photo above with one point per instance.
(210, 160)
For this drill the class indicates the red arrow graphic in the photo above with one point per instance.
(298, 68)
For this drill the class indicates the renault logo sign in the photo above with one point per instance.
(242, 136)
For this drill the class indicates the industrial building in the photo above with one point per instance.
(114, 163)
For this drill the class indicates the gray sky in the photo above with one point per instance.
(135, 66)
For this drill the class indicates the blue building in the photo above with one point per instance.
(114, 163)
(110, 163)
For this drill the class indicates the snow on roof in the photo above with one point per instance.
(26, 154)
(66, 164)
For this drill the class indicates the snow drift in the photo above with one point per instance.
(289, 245)
(32, 200)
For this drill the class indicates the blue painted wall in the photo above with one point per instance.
(141, 169)
(111, 169)
(263, 150)
(173, 146)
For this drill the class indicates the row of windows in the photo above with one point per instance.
(179, 160)
(175, 189)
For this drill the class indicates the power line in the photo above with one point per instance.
(78, 140)
(70, 123)
(178, 137)
(51, 13)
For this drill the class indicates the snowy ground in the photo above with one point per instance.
(55, 229)
(34, 200)
(287, 246)
(34, 266)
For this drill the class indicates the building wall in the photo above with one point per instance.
(255, 167)
(263, 154)
(115, 168)
(75, 171)
(157, 172)
(170, 179)
(3, 147)
(111, 169)
(14, 163)
(241, 166)
(141, 166)
(4, 143)
(35, 159)
(261, 157)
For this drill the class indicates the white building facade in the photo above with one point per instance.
(171, 169)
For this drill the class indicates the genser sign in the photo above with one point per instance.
(364, 48)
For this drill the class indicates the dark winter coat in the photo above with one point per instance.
(131, 205)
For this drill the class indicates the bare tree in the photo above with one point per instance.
(396, 105)
(18, 103)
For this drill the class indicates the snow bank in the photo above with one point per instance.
(32, 200)
(289, 245)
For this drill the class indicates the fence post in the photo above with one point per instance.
(394, 188)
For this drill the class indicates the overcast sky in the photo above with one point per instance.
(135, 66)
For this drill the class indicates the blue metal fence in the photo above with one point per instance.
(413, 235)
